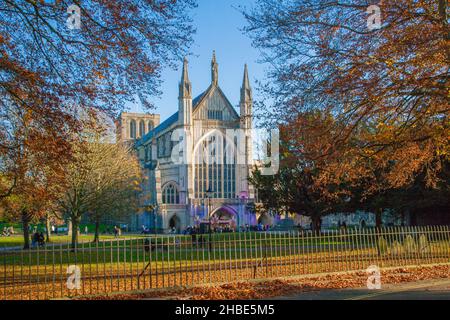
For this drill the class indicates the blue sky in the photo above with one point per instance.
(218, 24)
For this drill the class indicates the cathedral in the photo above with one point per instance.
(196, 162)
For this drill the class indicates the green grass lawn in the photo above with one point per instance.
(131, 248)
(138, 249)
(250, 238)
(134, 252)
(17, 240)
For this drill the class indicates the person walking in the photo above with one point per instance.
(116, 231)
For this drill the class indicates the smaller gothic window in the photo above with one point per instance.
(170, 194)
(215, 114)
(165, 145)
(141, 128)
(150, 126)
(133, 129)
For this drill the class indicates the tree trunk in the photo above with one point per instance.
(47, 229)
(97, 229)
(378, 218)
(316, 223)
(26, 230)
(75, 223)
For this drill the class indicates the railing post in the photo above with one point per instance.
(389, 242)
(416, 245)
(442, 243)
(433, 245)
(180, 262)
(236, 273)
(290, 238)
(241, 266)
(359, 249)
(230, 256)
(447, 244)
(374, 241)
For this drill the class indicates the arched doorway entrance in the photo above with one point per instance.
(224, 219)
(175, 222)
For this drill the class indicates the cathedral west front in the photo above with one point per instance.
(196, 162)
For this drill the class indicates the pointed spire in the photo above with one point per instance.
(185, 84)
(185, 76)
(246, 103)
(246, 90)
(246, 82)
(214, 70)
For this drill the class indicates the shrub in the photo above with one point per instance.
(424, 246)
(409, 244)
(397, 248)
(382, 245)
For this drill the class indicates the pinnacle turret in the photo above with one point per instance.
(185, 84)
(214, 70)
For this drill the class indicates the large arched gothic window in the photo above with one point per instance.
(150, 126)
(141, 128)
(170, 194)
(215, 167)
(133, 129)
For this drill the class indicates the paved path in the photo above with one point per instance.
(420, 290)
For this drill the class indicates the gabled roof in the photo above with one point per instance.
(196, 102)
(197, 99)
(162, 126)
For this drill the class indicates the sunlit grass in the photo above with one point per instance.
(17, 240)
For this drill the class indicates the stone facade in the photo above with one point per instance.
(133, 126)
(195, 191)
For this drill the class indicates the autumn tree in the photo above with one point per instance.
(391, 78)
(114, 183)
(102, 180)
(33, 168)
(417, 198)
(346, 180)
(306, 184)
(55, 72)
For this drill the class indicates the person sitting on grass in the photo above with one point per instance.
(5, 232)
